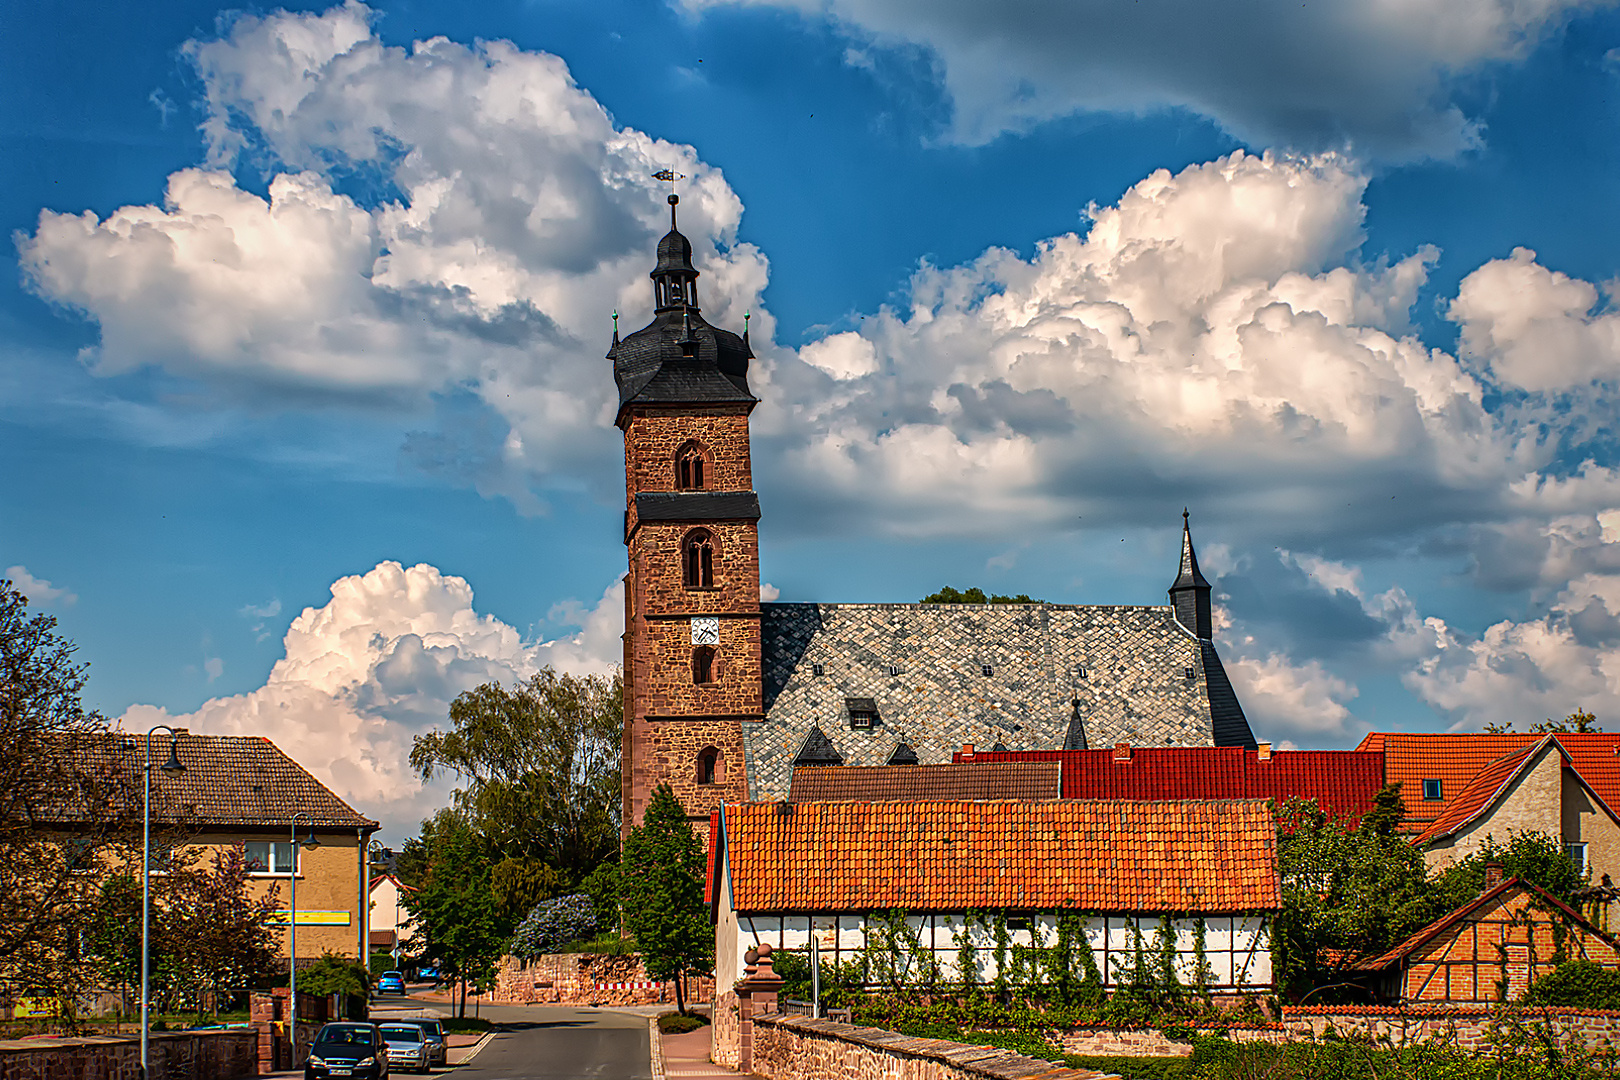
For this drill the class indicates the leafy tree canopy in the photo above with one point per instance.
(553, 924)
(975, 595)
(540, 764)
(454, 909)
(1581, 984)
(1579, 722)
(1536, 857)
(661, 894)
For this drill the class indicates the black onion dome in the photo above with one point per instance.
(674, 252)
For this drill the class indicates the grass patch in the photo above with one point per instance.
(1133, 1068)
(464, 1025)
(678, 1024)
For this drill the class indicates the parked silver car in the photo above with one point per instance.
(407, 1047)
(433, 1028)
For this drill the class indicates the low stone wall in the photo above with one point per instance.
(1146, 1042)
(1469, 1026)
(190, 1055)
(588, 979)
(801, 1048)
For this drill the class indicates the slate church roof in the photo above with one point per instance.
(1027, 676)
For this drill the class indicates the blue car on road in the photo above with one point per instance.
(391, 982)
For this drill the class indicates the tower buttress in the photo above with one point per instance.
(692, 666)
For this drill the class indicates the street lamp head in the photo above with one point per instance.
(173, 766)
(310, 841)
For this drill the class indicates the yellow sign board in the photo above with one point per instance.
(312, 918)
(35, 1007)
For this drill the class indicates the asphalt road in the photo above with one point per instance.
(561, 1043)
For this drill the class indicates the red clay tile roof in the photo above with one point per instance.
(1481, 793)
(1489, 896)
(1077, 854)
(1454, 760)
(242, 781)
(1342, 782)
(933, 783)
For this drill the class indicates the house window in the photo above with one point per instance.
(708, 766)
(817, 669)
(689, 468)
(1577, 855)
(987, 669)
(267, 857)
(702, 665)
(698, 558)
(862, 712)
(1189, 674)
(1431, 790)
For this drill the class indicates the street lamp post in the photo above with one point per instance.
(173, 768)
(292, 922)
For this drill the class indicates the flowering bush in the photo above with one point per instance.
(553, 923)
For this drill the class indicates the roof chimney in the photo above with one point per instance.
(1493, 875)
(967, 751)
(1262, 751)
(1122, 752)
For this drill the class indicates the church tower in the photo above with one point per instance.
(692, 673)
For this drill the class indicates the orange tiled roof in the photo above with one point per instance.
(1480, 793)
(1075, 854)
(998, 780)
(1454, 760)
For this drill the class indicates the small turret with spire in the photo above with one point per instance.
(1189, 596)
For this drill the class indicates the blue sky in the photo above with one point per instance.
(303, 314)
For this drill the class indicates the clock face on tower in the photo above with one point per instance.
(706, 630)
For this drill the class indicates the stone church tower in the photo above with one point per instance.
(692, 671)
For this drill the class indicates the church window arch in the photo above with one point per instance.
(697, 559)
(692, 467)
(703, 665)
(710, 768)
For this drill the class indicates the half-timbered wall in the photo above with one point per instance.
(1236, 947)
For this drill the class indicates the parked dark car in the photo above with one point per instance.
(349, 1050)
(391, 982)
(433, 1029)
(407, 1046)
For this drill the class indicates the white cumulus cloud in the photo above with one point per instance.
(1286, 700)
(38, 590)
(379, 664)
(511, 216)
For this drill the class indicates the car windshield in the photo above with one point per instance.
(345, 1034)
(401, 1033)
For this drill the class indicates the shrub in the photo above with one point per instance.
(1133, 1068)
(680, 1023)
(1579, 983)
(553, 923)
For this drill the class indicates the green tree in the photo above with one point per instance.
(975, 595)
(219, 933)
(1348, 892)
(1533, 856)
(65, 798)
(540, 763)
(518, 885)
(1579, 722)
(454, 908)
(661, 879)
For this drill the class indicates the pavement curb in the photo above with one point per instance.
(473, 1050)
(655, 1041)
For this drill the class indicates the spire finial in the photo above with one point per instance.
(746, 316)
(615, 326)
(674, 200)
(1184, 517)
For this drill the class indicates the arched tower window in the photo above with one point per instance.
(689, 468)
(703, 665)
(708, 766)
(697, 558)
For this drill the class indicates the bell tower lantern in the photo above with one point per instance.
(692, 673)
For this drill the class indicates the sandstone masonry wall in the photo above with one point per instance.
(199, 1055)
(1469, 1026)
(587, 979)
(800, 1048)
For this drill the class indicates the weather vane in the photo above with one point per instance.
(669, 176)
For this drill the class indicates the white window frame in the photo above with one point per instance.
(274, 847)
(1576, 849)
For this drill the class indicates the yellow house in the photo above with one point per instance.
(242, 791)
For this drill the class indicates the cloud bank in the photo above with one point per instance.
(379, 664)
(1364, 73)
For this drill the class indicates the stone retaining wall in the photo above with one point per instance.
(801, 1048)
(190, 1055)
(588, 979)
(1469, 1026)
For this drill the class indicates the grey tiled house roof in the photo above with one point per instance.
(1029, 676)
